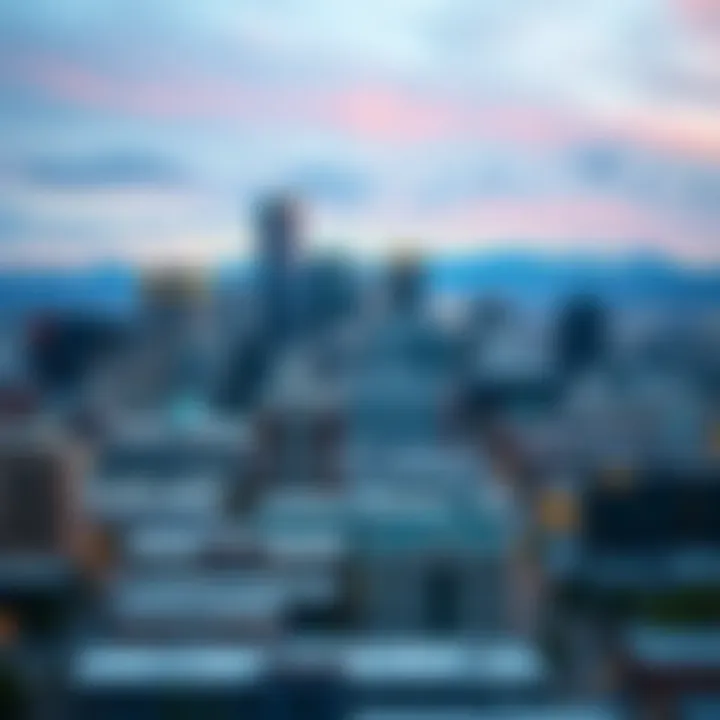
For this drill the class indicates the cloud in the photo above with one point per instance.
(20, 228)
(373, 111)
(13, 225)
(700, 13)
(116, 169)
(330, 184)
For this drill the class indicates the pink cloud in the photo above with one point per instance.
(692, 135)
(376, 112)
(386, 113)
(173, 98)
(700, 13)
(382, 113)
(577, 224)
(562, 218)
(372, 111)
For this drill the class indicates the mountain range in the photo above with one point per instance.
(522, 277)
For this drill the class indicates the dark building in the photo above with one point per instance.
(671, 672)
(41, 529)
(16, 699)
(664, 511)
(643, 553)
(488, 315)
(307, 694)
(17, 400)
(328, 293)
(582, 334)
(277, 236)
(176, 320)
(246, 372)
(647, 546)
(64, 348)
(406, 283)
(301, 446)
(40, 500)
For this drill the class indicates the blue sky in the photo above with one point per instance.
(144, 129)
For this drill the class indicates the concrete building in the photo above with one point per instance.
(277, 255)
(408, 559)
(304, 679)
(300, 425)
(424, 565)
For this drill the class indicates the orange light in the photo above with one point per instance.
(98, 554)
(618, 478)
(715, 441)
(559, 512)
(9, 627)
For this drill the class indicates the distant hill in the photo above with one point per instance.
(520, 276)
(101, 288)
(636, 279)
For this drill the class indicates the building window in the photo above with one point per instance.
(442, 599)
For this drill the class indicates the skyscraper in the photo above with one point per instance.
(40, 477)
(277, 237)
(406, 283)
(582, 333)
(329, 293)
(43, 530)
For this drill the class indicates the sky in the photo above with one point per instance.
(145, 130)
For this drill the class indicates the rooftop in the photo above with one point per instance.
(495, 662)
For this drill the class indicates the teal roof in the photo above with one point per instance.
(389, 522)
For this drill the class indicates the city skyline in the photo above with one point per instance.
(142, 130)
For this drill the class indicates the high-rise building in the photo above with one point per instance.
(173, 354)
(39, 487)
(42, 531)
(300, 425)
(329, 293)
(582, 334)
(243, 379)
(277, 229)
(63, 348)
(406, 282)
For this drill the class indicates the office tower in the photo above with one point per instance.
(42, 531)
(431, 564)
(176, 318)
(402, 390)
(15, 691)
(277, 230)
(243, 379)
(40, 496)
(63, 348)
(670, 672)
(582, 334)
(300, 434)
(405, 284)
(196, 680)
(171, 297)
(329, 292)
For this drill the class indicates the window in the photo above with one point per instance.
(442, 599)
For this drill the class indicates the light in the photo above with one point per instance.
(619, 478)
(714, 440)
(9, 628)
(559, 512)
(98, 552)
(175, 286)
